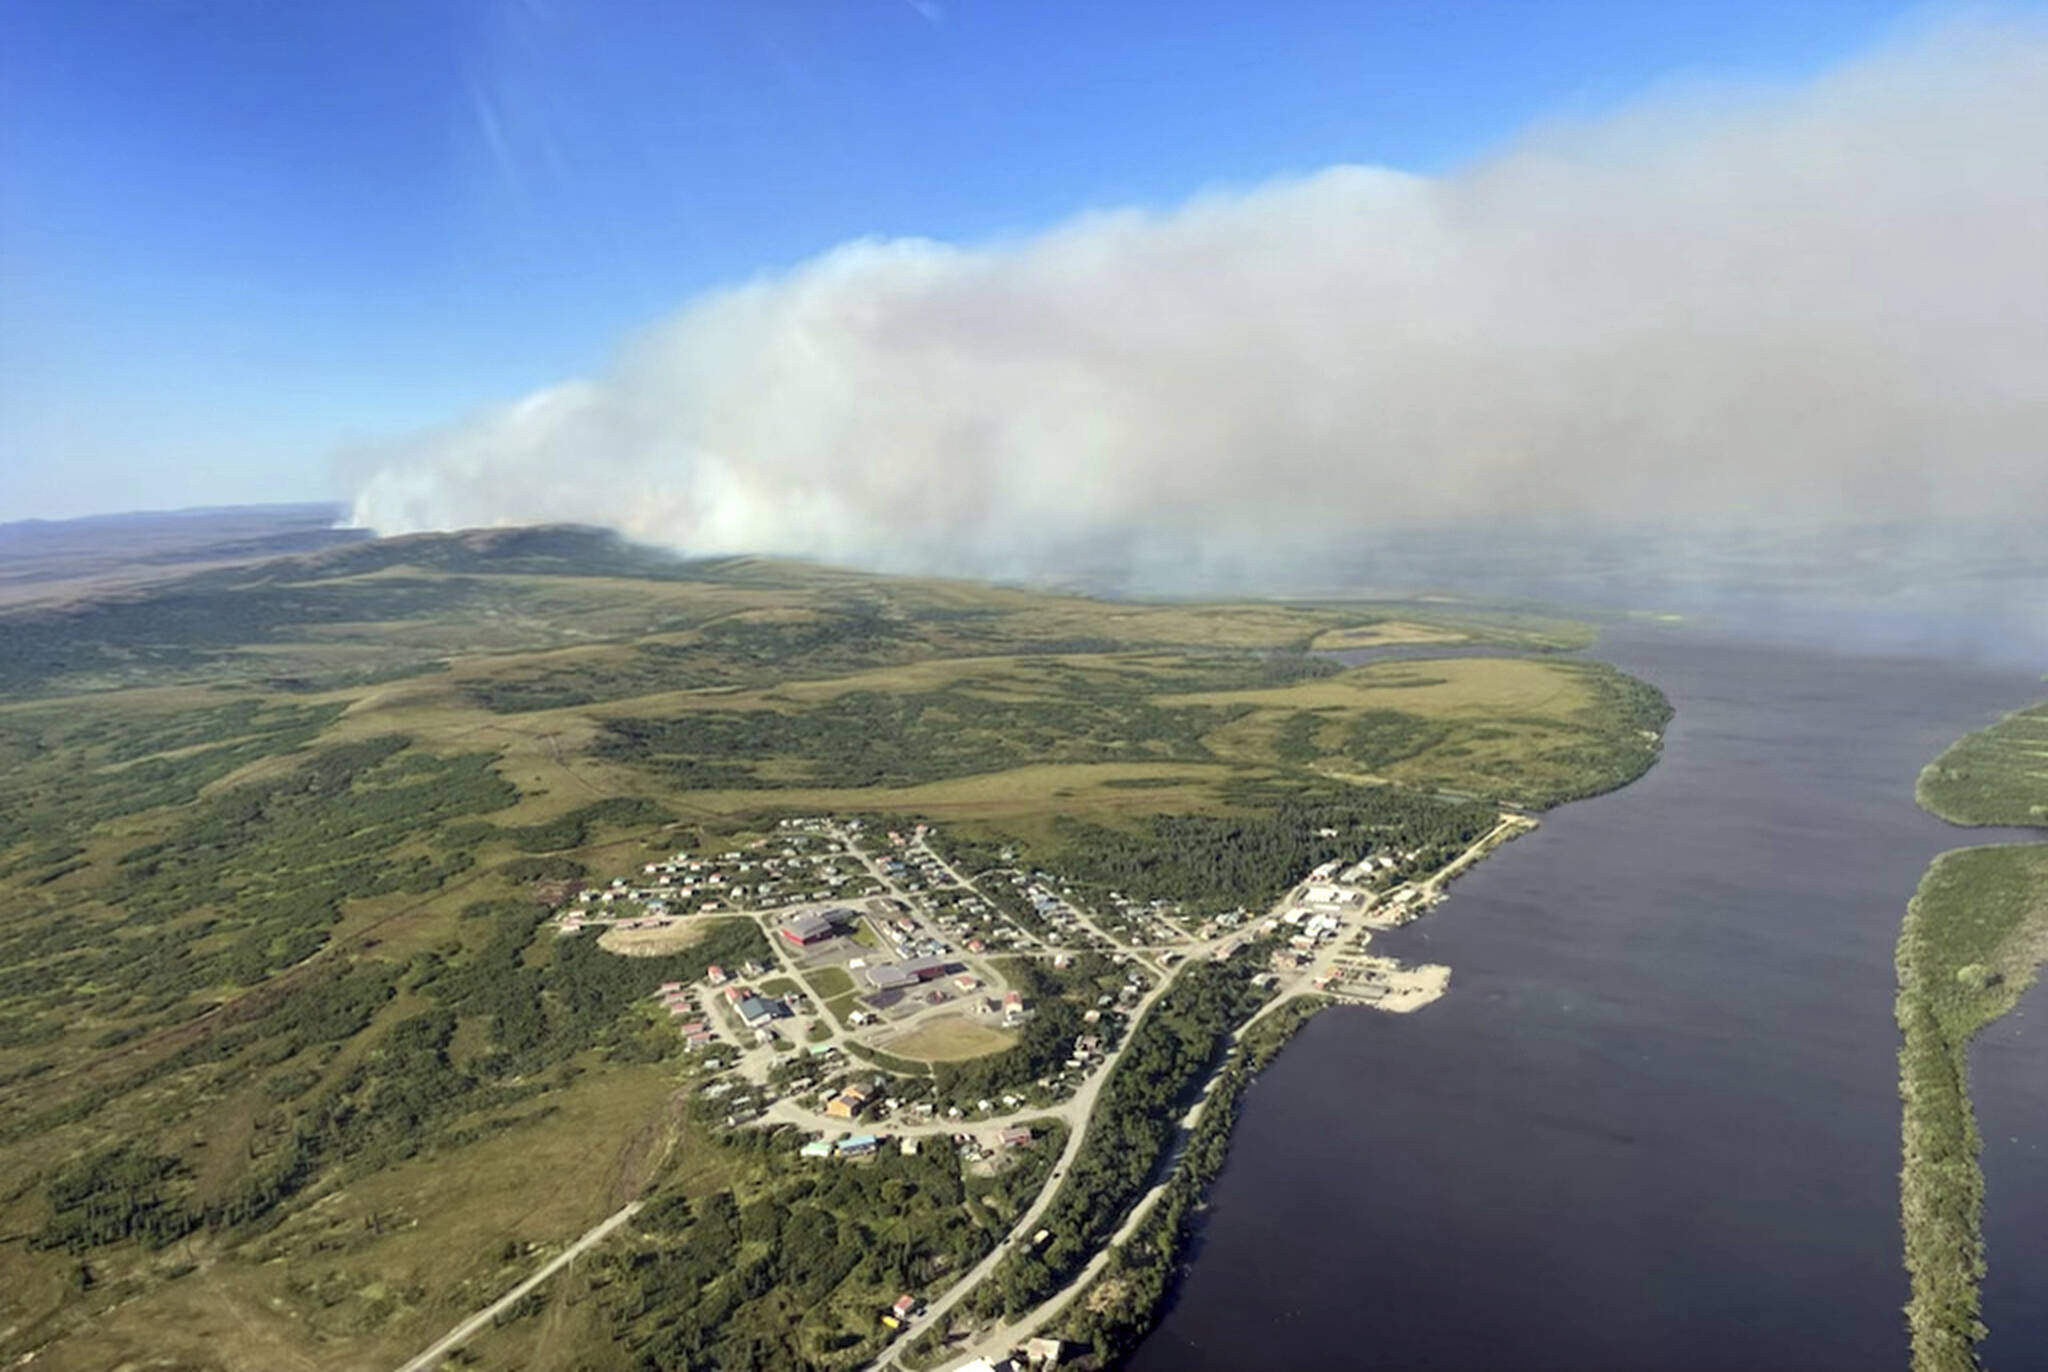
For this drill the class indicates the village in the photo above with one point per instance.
(884, 961)
(884, 954)
(887, 964)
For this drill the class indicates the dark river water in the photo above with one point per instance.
(1655, 1122)
(2009, 1082)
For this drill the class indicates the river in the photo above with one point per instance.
(1655, 1122)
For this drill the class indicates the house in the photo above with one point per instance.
(756, 1012)
(816, 1148)
(1043, 1352)
(858, 1145)
(1017, 1137)
(904, 1305)
(715, 975)
(849, 1103)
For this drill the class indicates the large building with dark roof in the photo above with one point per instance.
(810, 927)
(893, 975)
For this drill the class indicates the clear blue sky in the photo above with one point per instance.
(237, 234)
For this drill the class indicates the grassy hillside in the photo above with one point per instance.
(1974, 936)
(290, 1072)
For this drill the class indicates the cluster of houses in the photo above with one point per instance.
(1055, 910)
(908, 937)
(757, 1012)
(1151, 921)
(910, 863)
(807, 865)
(970, 1148)
(1144, 921)
(681, 1004)
(852, 1146)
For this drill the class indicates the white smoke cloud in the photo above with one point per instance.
(1822, 302)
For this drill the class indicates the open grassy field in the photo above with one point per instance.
(950, 1038)
(290, 1066)
(1532, 730)
(1382, 634)
(1974, 937)
(1997, 775)
(829, 983)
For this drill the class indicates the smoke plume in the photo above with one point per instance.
(1815, 303)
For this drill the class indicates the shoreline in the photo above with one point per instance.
(1123, 1287)
(1143, 1269)
(1971, 944)
(1955, 979)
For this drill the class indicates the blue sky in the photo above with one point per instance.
(237, 236)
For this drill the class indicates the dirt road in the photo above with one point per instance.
(1077, 1111)
(468, 1329)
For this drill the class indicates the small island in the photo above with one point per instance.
(1974, 936)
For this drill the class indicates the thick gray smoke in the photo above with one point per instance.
(1820, 303)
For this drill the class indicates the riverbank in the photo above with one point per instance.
(1671, 1038)
(1115, 1311)
(1974, 936)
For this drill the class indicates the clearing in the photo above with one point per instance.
(653, 943)
(949, 1038)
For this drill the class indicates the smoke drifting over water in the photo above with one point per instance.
(1814, 304)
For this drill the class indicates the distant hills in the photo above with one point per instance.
(60, 559)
